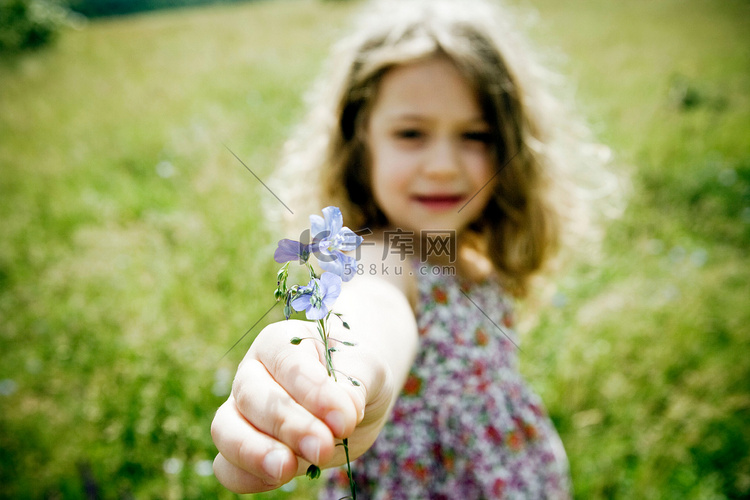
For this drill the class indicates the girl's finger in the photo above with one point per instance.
(364, 377)
(303, 374)
(247, 449)
(269, 408)
(301, 371)
(237, 480)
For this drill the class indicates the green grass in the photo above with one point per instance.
(133, 253)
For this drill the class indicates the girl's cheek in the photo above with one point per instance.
(393, 167)
(476, 152)
(479, 168)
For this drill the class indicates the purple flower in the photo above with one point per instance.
(318, 296)
(289, 250)
(330, 240)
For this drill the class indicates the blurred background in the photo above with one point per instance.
(133, 252)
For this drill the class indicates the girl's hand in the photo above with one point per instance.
(285, 412)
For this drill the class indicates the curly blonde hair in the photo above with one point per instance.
(522, 226)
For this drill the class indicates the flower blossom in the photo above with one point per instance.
(330, 239)
(318, 296)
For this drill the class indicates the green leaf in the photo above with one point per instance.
(346, 325)
(296, 341)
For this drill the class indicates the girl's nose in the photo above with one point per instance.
(443, 158)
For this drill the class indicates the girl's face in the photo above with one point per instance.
(430, 149)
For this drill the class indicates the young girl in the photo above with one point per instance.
(431, 132)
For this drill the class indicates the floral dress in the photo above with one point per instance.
(466, 424)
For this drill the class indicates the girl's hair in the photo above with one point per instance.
(522, 225)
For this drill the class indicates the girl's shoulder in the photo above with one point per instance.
(473, 266)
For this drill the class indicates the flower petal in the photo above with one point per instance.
(323, 252)
(341, 265)
(318, 229)
(315, 314)
(334, 219)
(348, 240)
(333, 264)
(289, 250)
(350, 268)
(331, 287)
(301, 303)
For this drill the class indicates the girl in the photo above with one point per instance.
(430, 127)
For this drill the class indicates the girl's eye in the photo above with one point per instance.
(480, 137)
(409, 133)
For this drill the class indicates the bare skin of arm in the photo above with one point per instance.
(285, 412)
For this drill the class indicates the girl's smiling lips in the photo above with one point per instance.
(438, 201)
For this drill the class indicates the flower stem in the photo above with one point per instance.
(322, 330)
(310, 269)
(349, 469)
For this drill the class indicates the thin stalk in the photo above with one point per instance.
(324, 338)
(311, 270)
(349, 469)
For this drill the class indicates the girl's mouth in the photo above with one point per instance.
(439, 201)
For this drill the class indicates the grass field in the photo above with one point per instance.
(133, 252)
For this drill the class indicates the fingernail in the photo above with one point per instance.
(273, 463)
(335, 421)
(310, 448)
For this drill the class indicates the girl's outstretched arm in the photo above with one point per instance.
(285, 412)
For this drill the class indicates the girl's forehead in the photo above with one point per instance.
(425, 88)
